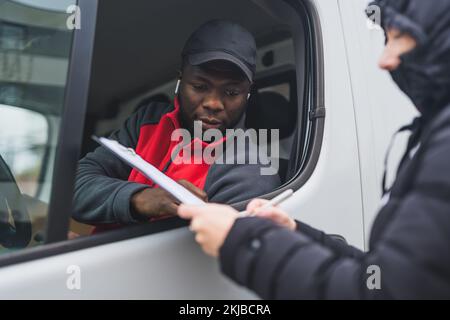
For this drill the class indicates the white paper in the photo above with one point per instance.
(133, 159)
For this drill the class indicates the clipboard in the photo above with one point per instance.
(130, 156)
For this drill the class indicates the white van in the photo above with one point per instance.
(67, 72)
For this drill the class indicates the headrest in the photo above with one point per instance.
(271, 110)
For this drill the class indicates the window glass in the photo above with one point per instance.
(23, 146)
(130, 76)
(35, 45)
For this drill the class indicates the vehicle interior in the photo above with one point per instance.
(128, 71)
(135, 61)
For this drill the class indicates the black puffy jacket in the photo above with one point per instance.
(410, 239)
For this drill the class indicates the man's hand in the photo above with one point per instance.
(211, 223)
(196, 191)
(157, 202)
(273, 213)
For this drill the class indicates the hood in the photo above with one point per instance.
(424, 74)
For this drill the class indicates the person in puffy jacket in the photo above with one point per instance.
(280, 258)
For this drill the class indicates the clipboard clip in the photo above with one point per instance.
(131, 150)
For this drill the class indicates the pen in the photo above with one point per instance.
(275, 201)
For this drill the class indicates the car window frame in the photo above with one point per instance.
(45, 159)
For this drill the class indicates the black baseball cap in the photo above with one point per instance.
(222, 40)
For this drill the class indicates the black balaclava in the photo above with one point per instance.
(424, 74)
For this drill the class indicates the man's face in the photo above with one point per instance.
(214, 93)
(397, 44)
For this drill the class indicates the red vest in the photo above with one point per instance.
(155, 146)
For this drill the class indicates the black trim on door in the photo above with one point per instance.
(72, 123)
(314, 94)
(48, 250)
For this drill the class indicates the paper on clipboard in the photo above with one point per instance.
(133, 159)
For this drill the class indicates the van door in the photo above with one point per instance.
(378, 115)
(162, 261)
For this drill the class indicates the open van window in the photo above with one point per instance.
(125, 81)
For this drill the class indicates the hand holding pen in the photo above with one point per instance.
(268, 209)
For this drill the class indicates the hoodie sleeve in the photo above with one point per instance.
(334, 242)
(241, 175)
(410, 254)
(235, 183)
(102, 193)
